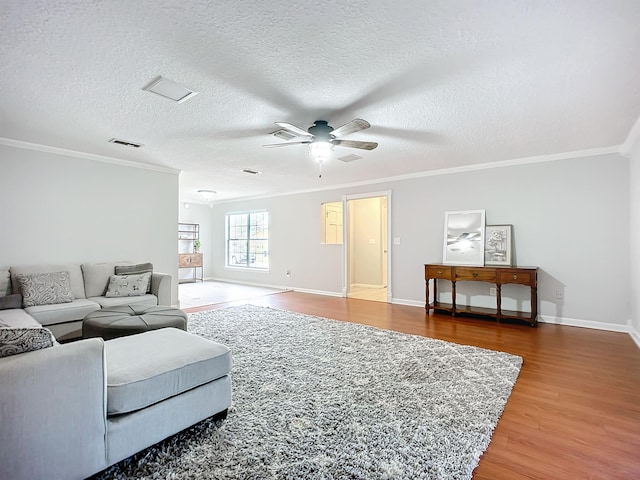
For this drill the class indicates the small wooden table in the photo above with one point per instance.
(527, 276)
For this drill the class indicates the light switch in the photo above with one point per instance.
(396, 240)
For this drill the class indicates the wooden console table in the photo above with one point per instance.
(527, 276)
(191, 260)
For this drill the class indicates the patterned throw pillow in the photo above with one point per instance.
(21, 340)
(139, 268)
(44, 288)
(128, 285)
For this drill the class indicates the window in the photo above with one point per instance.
(248, 240)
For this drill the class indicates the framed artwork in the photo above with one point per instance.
(497, 245)
(464, 237)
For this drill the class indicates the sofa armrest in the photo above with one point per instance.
(161, 287)
(53, 412)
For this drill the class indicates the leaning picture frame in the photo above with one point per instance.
(464, 237)
(498, 245)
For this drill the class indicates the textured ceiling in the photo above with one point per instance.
(444, 84)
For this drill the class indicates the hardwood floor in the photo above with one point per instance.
(574, 412)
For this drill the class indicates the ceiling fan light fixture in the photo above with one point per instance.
(207, 194)
(320, 151)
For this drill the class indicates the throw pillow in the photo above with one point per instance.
(44, 288)
(135, 269)
(21, 340)
(11, 301)
(128, 285)
(5, 283)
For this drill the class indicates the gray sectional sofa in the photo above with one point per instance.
(89, 283)
(70, 410)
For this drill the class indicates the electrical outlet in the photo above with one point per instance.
(492, 291)
(559, 295)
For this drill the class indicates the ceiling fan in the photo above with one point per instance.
(322, 137)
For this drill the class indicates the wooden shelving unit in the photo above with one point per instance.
(187, 256)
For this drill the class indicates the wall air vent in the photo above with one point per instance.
(171, 90)
(125, 143)
(251, 172)
(350, 158)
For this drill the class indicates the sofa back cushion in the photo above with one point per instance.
(75, 276)
(5, 283)
(96, 277)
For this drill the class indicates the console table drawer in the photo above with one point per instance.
(518, 277)
(438, 272)
(476, 274)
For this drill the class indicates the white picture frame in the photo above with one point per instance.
(498, 245)
(464, 238)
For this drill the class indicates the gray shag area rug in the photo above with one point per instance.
(315, 398)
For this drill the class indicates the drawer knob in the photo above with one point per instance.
(474, 274)
(515, 277)
(439, 272)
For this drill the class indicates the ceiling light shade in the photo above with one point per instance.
(207, 194)
(320, 151)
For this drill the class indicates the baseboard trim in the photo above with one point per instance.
(635, 336)
(317, 292)
(251, 284)
(574, 322)
(408, 303)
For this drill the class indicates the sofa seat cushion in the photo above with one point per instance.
(62, 312)
(17, 318)
(149, 367)
(108, 302)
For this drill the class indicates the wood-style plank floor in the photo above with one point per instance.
(575, 409)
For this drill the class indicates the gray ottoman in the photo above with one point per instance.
(114, 322)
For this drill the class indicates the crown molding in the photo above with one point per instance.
(444, 171)
(632, 140)
(87, 156)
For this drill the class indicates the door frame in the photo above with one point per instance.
(345, 239)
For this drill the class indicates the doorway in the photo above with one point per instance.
(367, 257)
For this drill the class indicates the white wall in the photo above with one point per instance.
(202, 215)
(58, 208)
(635, 241)
(570, 218)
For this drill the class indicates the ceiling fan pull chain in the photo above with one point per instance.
(320, 170)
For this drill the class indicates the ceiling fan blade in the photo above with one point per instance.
(356, 144)
(293, 129)
(284, 144)
(351, 127)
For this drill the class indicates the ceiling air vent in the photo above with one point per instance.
(251, 172)
(125, 143)
(283, 134)
(171, 90)
(349, 158)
